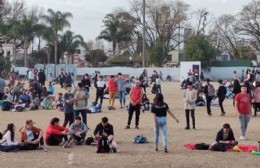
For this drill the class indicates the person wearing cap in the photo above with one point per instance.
(190, 96)
(136, 95)
(221, 93)
(31, 136)
(226, 136)
(78, 131)
(121, 89)
(243, 110)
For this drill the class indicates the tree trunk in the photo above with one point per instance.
(26, 46)
(55, 47)
(48, 55)
(114, 48)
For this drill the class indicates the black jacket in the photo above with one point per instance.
(222, 91)
(220, 136)
(108, 129)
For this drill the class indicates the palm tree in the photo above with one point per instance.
(27, 29)
(57, 22)
(113, 32)
(70, 42)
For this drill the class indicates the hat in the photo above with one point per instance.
(29, 122)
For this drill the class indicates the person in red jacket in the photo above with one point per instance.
(112, 89)
(56, 133)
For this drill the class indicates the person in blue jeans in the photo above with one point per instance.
(160, 110)
(121, 89)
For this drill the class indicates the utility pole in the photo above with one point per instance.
(143, 52)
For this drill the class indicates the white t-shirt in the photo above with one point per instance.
(29, 135)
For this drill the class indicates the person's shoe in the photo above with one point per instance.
(156, 149)
(165, 150)
(127, 127)
(187, 128)
(136, 127)
(222, 114)
(193, 127)
(210, 114)
(242, 138)
(68, 143)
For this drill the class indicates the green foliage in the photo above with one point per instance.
(96, 56)
(157, 56)
(5, 65)
(198, 48)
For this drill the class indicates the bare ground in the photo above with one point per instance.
(139, 155)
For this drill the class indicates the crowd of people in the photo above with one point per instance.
(18, 96)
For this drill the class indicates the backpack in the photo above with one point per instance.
(103, 145)
(140, 139)
(202, 146)
(211, 90)
(89, 140)
(219, 147)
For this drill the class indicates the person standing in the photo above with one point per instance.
(121, 82)
(112, 89)
(2, 87)
(160, 110)
(158, 84)
(68, 107)
(190, 96)
(136, 95)
(100, 86)
(86, 82)
(222, 91)
(80, 103)
(256, 100)
(209, 93)
(243, 110)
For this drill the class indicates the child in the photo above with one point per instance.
(60, 102)
(50, 89)
(145, 103)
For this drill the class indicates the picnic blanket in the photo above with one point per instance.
(243, 147)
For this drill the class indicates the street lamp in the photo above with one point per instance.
(143, 55)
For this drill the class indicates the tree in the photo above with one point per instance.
(164, 19)
(157, 55)
(95, 56)
(198, 48)
(116, 30)
(57, 22)
(27, 28)
(70, 42)
(249, 23)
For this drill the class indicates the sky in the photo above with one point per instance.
(88, 14)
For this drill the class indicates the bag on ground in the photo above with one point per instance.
(103, 145)
(202, 146)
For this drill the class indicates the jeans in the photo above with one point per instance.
(158, 89)
(244, 120)
(121, 96)
(68, 118)
(256, 107)
(55, 140)
(135, 108)
(9, 148)
(78, 139)
(188, 111)
(208, 99)
(99, 96)
(83, 115)
(161, 122)
(220, 102)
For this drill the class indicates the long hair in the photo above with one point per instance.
(158, 100)
(10, 127)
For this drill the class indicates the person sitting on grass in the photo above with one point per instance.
(226, 136)
(60, 102)
(9, 143)
(145, 103)
(55, 134)
(50, 89)
(78, 131)
(35, 103)
(7, 105)
(47, 102)
(25, 98)
(32, 137)
(105, 130)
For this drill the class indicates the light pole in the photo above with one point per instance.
(143, 55)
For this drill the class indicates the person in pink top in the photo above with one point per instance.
(136, 95)
(243, 110)
(256, 99)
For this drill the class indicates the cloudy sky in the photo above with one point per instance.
(88, 14)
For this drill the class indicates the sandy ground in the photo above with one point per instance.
(138, 155)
